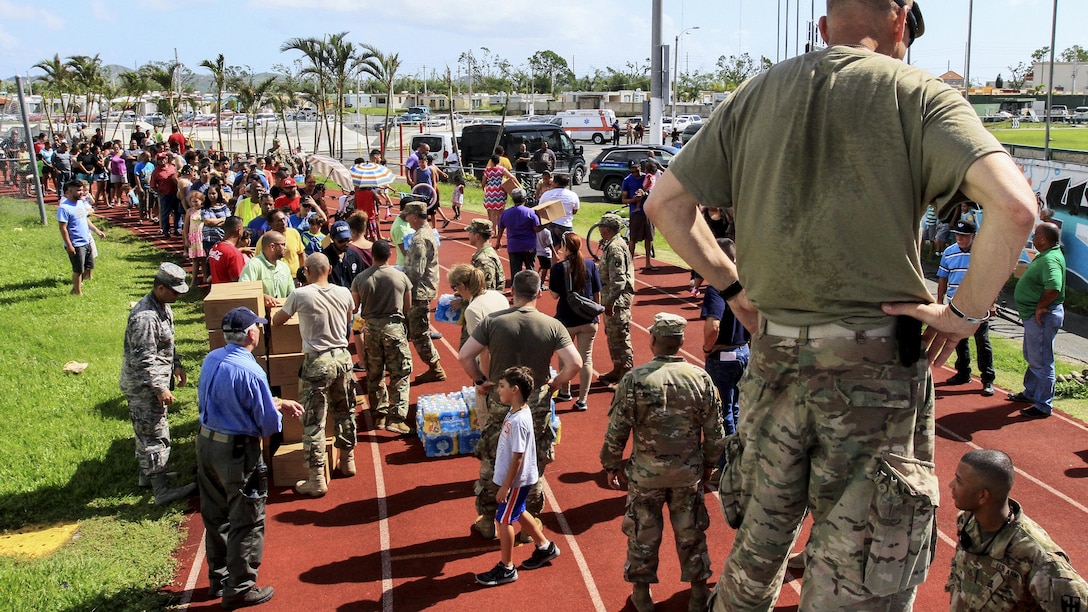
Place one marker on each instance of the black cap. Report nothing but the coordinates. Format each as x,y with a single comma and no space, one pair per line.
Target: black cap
964,227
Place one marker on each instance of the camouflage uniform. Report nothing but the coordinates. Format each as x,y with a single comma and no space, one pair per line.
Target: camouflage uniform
617,291
147,369
674,412
386,348
421,266
282,158
837,426
487,260
325,382
540,404
1020,569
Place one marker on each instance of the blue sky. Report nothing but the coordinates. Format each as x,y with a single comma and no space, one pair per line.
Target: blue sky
434,33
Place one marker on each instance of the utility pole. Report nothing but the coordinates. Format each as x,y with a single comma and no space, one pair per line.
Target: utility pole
1050,89
967,65
26,130
658,81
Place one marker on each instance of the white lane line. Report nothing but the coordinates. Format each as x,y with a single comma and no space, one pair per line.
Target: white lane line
572,544
383,516
194,574
1045,486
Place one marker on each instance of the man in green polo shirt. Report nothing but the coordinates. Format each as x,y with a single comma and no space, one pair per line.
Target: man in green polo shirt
1039,295
271,270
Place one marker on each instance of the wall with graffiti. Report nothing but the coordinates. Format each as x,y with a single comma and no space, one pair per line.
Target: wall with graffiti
1061,187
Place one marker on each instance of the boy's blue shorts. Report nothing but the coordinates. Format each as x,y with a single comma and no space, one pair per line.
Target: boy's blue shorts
510,511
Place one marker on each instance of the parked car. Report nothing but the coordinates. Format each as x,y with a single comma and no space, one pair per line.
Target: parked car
441,146
690,131
608,169
478,144
1080,114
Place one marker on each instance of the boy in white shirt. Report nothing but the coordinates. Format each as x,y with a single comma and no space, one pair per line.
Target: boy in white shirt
516,473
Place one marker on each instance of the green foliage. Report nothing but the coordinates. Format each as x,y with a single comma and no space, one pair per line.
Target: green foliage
69,456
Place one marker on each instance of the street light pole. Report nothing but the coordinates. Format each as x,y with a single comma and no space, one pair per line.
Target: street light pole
1050,93
676,67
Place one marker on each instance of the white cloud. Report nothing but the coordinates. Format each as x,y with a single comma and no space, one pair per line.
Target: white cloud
7,41
25,12
102,11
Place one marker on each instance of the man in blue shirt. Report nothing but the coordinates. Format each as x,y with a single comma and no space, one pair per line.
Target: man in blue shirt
236,410
634,195
953,268
725,345
73,215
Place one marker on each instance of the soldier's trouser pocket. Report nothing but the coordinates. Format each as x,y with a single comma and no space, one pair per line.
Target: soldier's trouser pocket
731,492
902,524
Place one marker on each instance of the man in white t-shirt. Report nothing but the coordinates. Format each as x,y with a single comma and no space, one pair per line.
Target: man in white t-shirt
325,381
571,204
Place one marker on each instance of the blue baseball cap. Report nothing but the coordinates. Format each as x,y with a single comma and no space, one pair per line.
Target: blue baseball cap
240,319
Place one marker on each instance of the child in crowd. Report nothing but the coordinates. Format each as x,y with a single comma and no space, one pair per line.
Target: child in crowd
544,255
458,197
516,473
194,235
312,235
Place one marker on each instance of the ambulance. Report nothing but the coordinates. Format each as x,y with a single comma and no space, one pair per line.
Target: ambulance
584,124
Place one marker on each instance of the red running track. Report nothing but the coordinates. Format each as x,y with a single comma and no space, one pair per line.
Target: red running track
397,537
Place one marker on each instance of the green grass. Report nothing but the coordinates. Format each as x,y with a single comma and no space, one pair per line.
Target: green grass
1009,365
1034,134
68,452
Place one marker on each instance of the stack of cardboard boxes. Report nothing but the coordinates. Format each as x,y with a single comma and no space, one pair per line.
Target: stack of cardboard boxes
281,357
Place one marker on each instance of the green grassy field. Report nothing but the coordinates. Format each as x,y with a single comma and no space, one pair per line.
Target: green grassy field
1074,138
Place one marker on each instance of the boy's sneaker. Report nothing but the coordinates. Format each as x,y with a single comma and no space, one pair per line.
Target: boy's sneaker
500,574
541,556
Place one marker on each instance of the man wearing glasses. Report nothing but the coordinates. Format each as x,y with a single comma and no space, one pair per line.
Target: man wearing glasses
270,269
149,369
838,399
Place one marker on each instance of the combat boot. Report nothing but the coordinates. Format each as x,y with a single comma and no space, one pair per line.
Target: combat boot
434,374
145,480
165,494
641,598
485,527
315,485
614,376
700,597
347,462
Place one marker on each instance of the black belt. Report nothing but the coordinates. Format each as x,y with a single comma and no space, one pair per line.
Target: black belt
216,436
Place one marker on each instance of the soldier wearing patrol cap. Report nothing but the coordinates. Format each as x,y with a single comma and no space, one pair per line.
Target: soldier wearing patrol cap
1004,561
673,410
421,266
485,258
149,368
617,294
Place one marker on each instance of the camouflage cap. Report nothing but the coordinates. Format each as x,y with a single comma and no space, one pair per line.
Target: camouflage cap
414,208
172,276
480,226
612,221
668,324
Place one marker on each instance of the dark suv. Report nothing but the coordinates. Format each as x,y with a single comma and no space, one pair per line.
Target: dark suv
607,171
478,143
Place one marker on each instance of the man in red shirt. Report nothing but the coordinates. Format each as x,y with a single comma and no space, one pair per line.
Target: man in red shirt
164,180
225,259
176,137
290,198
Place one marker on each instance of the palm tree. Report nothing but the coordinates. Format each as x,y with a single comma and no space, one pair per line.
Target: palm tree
282,97
314,50
87,79
163,76
383,67
133,85
341,64
250,96
220,73
57,82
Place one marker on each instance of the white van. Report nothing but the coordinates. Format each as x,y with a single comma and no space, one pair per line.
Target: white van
441,146
595,125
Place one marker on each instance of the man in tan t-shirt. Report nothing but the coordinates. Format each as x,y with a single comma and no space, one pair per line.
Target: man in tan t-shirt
325,383
845,141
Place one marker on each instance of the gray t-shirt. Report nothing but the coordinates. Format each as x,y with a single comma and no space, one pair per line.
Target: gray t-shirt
516,436
830,160
381,291
521,336
324,314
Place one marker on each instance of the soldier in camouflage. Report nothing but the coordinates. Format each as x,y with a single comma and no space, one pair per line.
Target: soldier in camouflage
485,258
384,295
149,369
617,295
838,396
421,266
325,383
281,158
521,335
672,410
1005,562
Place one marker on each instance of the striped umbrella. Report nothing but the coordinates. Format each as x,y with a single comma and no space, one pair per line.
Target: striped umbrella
370,175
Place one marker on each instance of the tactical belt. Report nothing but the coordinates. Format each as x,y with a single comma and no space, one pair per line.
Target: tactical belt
823,331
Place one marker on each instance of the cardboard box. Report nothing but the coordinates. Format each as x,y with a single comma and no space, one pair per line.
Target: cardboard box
216,339
287,391
283,369
292,429
284,338
226,296
289,464
550,211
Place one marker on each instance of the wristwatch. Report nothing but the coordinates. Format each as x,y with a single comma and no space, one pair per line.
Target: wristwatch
480,382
